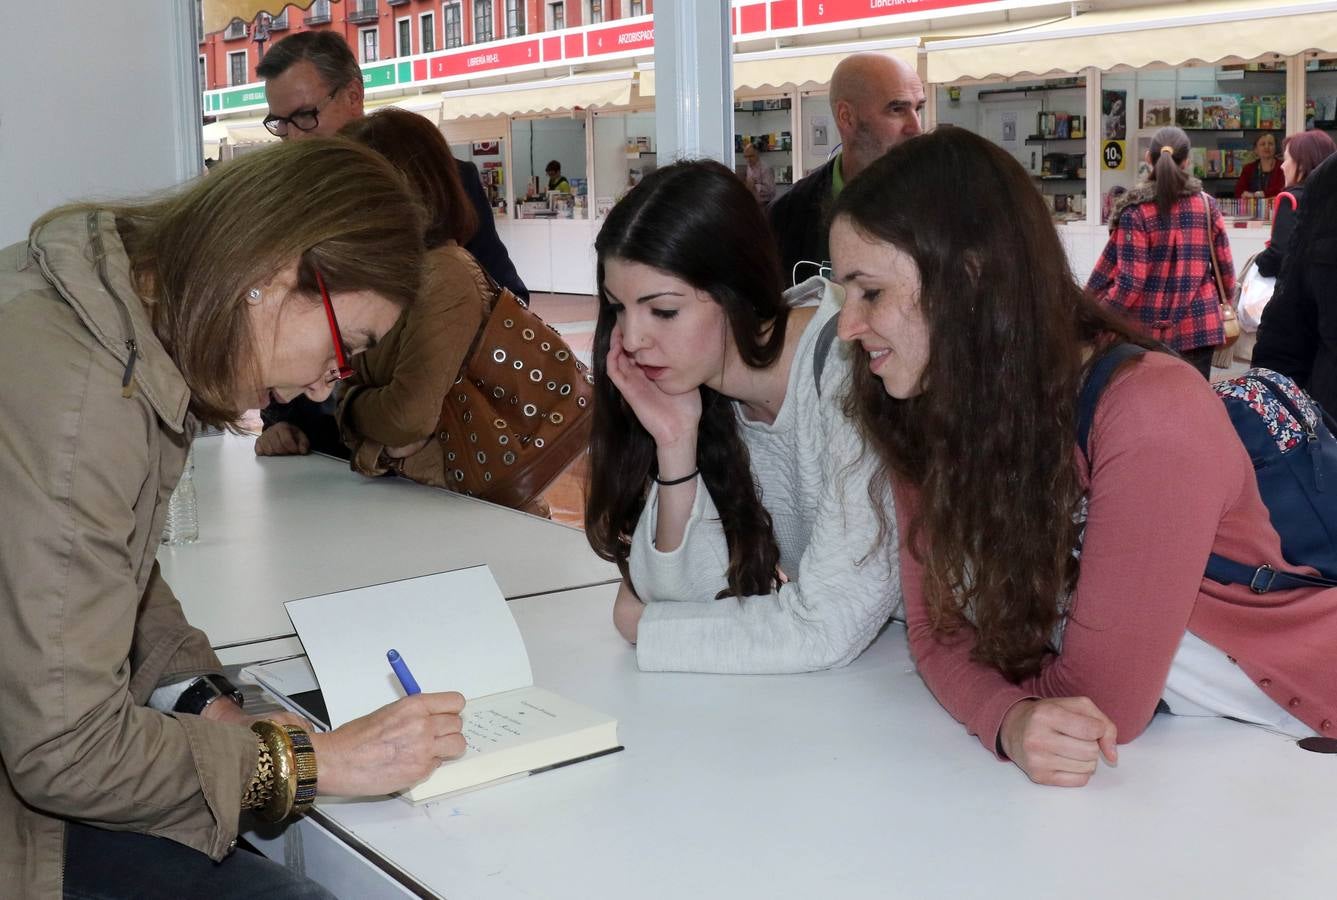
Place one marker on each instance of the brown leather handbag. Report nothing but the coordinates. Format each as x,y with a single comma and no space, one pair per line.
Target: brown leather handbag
519,413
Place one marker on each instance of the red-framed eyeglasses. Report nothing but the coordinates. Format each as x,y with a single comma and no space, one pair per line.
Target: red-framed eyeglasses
342,370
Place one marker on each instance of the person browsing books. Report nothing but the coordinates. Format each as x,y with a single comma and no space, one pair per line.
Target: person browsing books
1053,603
1263,176
1300,154
1157,266
126,757
726,482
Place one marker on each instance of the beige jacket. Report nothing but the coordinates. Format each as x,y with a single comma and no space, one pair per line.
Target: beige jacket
87,627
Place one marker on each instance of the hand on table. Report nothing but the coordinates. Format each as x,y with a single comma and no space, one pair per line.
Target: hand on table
627,609
392,748
282,439
1058,741
671,419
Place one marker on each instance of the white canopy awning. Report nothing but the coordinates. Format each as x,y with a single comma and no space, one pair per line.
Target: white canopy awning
530,98
799,66
1170,34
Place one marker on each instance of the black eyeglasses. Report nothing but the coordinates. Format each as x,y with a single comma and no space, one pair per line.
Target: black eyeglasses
305,119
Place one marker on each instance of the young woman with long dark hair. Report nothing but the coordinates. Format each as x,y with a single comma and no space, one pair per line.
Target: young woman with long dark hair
723,475
1053,603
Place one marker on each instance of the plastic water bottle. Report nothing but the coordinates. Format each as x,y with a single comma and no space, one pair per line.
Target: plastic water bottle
183,522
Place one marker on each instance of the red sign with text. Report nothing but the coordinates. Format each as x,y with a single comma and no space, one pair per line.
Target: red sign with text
820,12
485,59
620,39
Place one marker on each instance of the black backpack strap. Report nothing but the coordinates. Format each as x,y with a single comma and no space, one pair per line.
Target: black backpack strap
1096,379
826,339
1260,579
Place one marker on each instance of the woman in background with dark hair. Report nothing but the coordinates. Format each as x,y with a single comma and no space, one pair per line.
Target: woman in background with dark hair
1301,154
1298,333
1262,177
721,462
1053,597
1157,265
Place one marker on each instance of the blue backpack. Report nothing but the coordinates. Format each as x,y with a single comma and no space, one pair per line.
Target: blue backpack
1290,441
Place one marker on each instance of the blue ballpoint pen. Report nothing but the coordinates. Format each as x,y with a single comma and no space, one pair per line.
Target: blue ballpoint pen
402,671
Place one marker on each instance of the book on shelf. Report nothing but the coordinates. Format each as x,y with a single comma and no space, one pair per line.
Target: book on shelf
1249,112
1220,111
1213,164
1157,113
1198,161
456,633
1188,112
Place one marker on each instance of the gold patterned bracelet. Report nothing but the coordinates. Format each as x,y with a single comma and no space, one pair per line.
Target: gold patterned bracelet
284,779
261,788
304,767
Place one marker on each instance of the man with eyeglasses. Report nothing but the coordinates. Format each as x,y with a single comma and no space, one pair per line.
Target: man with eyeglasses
313,85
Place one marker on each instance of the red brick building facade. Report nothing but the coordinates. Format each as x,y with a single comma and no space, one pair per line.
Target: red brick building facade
386,29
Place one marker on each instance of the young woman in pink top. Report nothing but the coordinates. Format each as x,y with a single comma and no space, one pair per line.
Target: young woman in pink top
1054,604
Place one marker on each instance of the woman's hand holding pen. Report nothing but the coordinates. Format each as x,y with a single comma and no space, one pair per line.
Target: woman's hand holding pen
392,748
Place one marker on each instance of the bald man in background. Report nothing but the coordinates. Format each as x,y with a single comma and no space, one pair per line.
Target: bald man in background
877,102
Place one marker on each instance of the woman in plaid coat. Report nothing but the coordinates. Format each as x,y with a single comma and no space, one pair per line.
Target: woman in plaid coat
1157,265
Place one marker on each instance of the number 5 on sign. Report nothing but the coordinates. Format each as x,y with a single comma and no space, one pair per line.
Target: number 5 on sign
1112,154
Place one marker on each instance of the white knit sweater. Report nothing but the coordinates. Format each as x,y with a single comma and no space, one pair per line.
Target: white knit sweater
813,477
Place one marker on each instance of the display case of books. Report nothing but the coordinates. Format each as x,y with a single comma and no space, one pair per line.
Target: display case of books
767,124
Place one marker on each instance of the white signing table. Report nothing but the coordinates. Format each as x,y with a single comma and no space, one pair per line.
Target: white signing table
279,528
845,783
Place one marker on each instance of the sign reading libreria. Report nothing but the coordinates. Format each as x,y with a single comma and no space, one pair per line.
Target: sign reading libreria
818,12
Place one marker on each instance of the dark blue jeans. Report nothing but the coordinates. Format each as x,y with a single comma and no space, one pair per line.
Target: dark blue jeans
114,865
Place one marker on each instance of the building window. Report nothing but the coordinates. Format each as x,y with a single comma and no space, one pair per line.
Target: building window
482,21
636,8
515,18
319,13
596,12
235,29
556,16
369,39
426,33
199,21
279,22
237,70
404,36
204,74
451,30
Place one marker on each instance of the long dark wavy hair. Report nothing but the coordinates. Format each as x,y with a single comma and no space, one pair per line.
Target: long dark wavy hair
989,442
696,221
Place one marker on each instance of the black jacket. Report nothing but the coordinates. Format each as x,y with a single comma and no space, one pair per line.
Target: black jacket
1298,334
1288,211
799,221
486,245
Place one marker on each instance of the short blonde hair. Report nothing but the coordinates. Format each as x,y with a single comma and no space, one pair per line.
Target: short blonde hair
334,205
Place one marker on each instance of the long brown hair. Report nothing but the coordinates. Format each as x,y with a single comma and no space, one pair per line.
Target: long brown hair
335,206
1169,149
989,442
696,221
417,148
1307,150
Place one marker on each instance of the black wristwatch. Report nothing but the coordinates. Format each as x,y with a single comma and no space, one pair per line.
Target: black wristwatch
205,690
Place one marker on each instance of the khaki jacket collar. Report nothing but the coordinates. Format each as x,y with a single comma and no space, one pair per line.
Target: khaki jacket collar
82,257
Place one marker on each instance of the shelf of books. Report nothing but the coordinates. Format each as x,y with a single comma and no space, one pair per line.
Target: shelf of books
768,125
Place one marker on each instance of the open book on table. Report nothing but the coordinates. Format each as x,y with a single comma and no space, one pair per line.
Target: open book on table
456,633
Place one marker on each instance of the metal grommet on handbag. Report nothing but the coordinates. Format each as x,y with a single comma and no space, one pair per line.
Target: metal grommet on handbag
527,334
514,400
443,436
551,385
459,474
535,375
580,401
487,476
498,423
462,398
545,346
473,437
589,379
530,409
450,457
566,389
503,439
481,457
508,458
509,323
538,442
467,417
562,355
499,355
517,364
459,379
498,392
556,418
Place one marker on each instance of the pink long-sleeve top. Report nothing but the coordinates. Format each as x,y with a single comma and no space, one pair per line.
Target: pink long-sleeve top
1168,484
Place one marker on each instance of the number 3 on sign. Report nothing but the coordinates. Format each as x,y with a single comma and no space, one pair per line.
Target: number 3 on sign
1113,155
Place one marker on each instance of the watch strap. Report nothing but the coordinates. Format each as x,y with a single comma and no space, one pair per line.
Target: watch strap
205,690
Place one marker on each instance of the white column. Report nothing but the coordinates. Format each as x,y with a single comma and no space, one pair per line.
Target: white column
1295,94
693,80
1095,166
